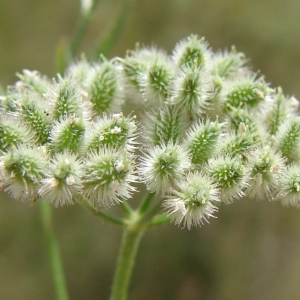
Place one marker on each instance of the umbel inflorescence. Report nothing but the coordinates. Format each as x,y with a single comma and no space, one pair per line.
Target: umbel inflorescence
201,129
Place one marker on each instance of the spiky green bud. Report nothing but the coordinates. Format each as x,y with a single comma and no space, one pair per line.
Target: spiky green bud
107,177
62,182
13,133
191,51
202,141
246,92
190,89
289,193
155,81
193,200
163,165
275,112
22,168
34,113
229,175
103,87
67,134
265,169
32,81
287,139
165,124
227,64
115,131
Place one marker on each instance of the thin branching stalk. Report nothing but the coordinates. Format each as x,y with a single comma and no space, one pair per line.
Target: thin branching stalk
101,214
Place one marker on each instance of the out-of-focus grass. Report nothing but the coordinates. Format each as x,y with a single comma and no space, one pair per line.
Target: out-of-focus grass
252,251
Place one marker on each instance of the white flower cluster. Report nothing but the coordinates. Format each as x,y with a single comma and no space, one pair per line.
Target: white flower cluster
210,131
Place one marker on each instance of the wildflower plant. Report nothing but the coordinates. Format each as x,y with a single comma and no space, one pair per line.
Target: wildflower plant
204,131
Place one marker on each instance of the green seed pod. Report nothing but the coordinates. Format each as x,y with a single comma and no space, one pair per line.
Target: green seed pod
227,64
287,139
191,51
107,177
202,140
193,200
168,123
190,90
103,86
289,193
229,175
163,165
67,134
22,169
13,133
34,113
244,92
115,131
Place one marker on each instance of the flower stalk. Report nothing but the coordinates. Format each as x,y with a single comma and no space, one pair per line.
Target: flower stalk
125,263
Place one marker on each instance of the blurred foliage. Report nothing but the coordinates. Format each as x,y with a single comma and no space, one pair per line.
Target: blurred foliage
252,251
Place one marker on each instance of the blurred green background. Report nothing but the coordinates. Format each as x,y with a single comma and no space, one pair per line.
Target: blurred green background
251,251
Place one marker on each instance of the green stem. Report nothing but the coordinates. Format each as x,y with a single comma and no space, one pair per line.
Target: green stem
137,222
53,251
126,209
125,263
146,203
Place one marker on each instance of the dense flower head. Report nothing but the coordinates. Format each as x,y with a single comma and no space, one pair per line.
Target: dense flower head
204,129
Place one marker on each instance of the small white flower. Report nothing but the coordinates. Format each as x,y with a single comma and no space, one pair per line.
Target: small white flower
119,165
117,116
116,130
